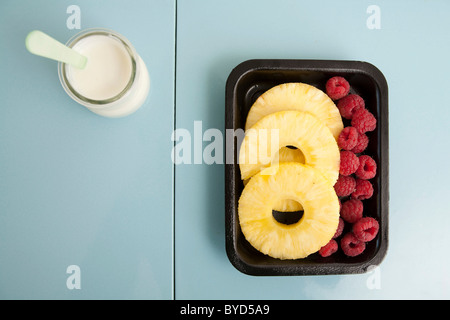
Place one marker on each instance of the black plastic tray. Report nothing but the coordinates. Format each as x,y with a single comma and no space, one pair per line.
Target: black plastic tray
249,80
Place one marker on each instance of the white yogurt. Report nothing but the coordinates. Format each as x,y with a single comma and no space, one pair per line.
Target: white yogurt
115,81
108,68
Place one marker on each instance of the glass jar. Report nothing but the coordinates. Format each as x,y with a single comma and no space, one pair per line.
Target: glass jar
115,81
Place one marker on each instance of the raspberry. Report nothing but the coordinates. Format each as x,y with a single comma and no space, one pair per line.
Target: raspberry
363,120
337,88
361,144
366,229
349,163
348,138
367,168
352,210
348,105
328,249
344,186
339,229
363,190
351,245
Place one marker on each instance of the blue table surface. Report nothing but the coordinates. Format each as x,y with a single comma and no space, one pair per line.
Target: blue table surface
103,194
77,189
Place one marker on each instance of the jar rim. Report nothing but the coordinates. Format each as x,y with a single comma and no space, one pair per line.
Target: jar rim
62,70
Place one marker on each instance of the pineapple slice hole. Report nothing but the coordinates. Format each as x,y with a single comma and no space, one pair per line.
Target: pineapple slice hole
287,211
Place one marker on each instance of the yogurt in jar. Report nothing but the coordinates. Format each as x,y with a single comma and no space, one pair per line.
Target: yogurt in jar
115,81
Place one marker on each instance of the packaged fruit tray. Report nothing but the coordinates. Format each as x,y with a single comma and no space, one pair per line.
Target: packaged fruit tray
338,183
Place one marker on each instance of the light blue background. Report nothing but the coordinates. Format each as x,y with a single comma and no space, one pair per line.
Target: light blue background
411,49
76,188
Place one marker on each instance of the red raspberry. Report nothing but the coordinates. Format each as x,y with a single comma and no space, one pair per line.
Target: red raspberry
339,229
328,249
367,168
363,120
337,88
351,245
349,163
366,229
363,190
344,186
361,144
348,138
348,105
352,210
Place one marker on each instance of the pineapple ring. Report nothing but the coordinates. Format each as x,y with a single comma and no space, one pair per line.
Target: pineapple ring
294,128
298,182
300,97
286,154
